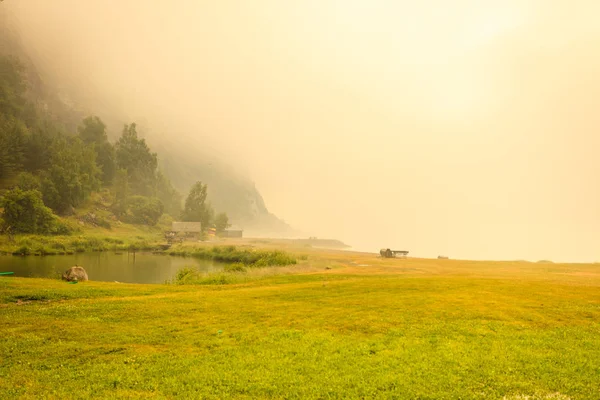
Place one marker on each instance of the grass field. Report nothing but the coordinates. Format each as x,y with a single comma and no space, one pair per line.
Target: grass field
337,325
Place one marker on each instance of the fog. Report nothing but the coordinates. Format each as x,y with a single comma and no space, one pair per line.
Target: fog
467,128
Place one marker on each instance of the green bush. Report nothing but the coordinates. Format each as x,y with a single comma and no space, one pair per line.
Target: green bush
58,246
221,222
143,210
23,250
140,245
94,243
74,243
25,241
25,212
166,221
62,228
42,250
186,275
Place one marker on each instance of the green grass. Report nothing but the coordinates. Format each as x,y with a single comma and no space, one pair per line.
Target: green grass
406,329
23,245
100,235
252,258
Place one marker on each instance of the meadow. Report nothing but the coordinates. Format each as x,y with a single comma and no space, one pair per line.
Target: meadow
335,325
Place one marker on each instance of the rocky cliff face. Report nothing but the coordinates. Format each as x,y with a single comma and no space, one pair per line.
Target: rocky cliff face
229,191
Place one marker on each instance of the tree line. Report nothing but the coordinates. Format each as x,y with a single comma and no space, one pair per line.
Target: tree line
46,172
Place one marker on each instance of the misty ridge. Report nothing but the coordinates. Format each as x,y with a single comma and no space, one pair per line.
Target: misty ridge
477,140
53,142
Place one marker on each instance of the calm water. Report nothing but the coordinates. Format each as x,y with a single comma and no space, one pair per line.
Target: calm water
144,268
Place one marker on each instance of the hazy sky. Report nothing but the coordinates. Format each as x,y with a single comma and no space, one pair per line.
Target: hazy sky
468,128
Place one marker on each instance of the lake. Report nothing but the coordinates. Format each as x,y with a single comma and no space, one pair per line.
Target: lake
105,266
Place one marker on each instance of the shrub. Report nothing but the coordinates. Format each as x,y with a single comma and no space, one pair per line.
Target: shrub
94,243
25,212
139,245
186,275
62,228
58,246
42,250
25,241
143,210
23,250
221,222
76,243
166,221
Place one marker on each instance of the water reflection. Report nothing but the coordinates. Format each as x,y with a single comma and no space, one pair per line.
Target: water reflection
141,268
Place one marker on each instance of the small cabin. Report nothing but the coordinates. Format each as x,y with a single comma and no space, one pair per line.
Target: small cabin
232,232
186,227
389,253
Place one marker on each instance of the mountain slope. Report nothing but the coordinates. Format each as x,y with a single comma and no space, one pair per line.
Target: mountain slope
69,101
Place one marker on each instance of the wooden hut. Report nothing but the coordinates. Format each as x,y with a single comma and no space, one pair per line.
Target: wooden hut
233,232
187,228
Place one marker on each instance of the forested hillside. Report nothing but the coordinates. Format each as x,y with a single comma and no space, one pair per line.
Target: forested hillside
61,104
47,170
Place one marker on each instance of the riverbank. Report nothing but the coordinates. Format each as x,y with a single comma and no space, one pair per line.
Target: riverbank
338,325
135,264
137,238
39,245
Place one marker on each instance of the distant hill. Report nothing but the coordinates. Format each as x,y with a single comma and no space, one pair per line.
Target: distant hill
229,191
